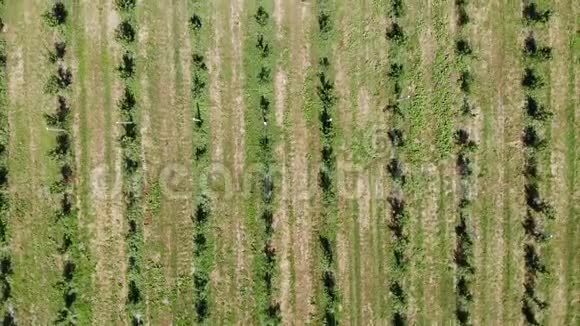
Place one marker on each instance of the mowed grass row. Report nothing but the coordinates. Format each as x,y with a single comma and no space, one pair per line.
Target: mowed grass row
7,312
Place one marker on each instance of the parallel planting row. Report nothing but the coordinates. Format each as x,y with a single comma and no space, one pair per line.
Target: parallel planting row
329,298
265,259
537,121
399,217
463,254
60,121
6,306
132,170
202,236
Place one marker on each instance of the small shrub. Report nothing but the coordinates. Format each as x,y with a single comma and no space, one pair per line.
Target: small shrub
125,5
261,16
397,291
462,17
395,70
465,79
58,53
198,86
63,143
532,14
532,260
530,80
263,46
395,170
264,75
395,33
264,106
128,101
462,47
127,67
399,319
60,81
57,15
532,139
535,110
324,23
325,90
195,22
134,294
326,122
532,50
533,199
396,137
199,61
125,32
397,8
327,154
531,167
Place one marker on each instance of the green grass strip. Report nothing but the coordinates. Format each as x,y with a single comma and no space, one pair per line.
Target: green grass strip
6,310
203,241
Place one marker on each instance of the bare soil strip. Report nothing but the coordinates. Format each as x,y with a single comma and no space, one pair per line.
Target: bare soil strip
300,169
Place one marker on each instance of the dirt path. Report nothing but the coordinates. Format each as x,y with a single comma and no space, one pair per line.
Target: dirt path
564,161
222,275
301,180
282,223
237,20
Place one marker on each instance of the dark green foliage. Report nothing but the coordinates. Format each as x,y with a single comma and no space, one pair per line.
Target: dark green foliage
263,46
58,53
59,118
125,32
395,170
199,61
531,80
195,22
536,111
134,294
264,75
198,86
395,70
533,15
462,17
59,81
399,319
128,101
397,8
395,33
57,15
262,16
325,91
531,138
396,137
462,47
324,23
127,66
532,50
465,79
125,5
